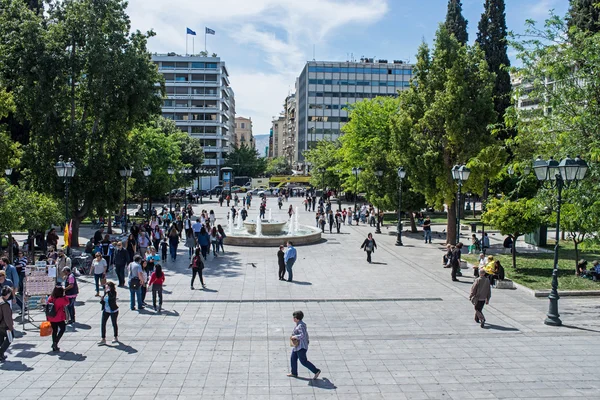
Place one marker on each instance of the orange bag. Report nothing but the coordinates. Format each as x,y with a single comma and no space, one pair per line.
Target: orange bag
45,328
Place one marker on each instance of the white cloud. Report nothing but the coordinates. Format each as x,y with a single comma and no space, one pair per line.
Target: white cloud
541,9
280,32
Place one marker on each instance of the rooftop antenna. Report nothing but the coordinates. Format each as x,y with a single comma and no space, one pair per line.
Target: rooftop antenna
314,59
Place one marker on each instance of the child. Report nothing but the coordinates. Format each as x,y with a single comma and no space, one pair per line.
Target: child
163,249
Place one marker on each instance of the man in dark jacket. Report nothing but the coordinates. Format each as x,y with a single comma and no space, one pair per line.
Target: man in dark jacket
121,259
455,261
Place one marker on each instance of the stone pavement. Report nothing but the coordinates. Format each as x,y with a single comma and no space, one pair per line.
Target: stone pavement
394,329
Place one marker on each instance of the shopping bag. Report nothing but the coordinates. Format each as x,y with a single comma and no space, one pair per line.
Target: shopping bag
45,328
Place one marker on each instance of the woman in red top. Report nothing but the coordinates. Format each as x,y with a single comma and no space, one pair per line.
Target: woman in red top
156,281
58,321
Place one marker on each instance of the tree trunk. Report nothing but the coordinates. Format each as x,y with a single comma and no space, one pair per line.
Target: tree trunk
76,222
451,224
514,251
109,227
576,253
413,224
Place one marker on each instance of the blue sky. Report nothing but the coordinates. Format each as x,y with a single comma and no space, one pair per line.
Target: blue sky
265,43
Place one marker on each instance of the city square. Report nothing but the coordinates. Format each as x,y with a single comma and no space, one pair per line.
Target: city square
394,329
380,200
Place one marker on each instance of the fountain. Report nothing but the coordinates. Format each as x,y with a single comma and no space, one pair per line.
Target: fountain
240,221
258,227
270,232
229,223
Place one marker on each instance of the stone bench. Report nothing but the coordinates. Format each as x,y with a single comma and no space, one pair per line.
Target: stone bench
505,284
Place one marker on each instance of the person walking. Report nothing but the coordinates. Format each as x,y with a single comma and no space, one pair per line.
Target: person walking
197,265
135,278
369,246
427,229
281,262
131,246
157,279
290,259
173,241
221,238
190,242
299,341
59,302
204,242
121,259
480,296
6,321
110,309
338,221
214,241
455,261
71,291
99,266
330,220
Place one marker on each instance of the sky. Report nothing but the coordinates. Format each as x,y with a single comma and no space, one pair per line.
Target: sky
265,43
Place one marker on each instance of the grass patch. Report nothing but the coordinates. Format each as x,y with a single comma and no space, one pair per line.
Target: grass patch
535,270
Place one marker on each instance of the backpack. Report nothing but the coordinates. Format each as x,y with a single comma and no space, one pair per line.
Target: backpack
50,310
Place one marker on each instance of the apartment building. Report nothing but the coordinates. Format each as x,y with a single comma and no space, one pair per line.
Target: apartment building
276,136
289,129
243,132
200,101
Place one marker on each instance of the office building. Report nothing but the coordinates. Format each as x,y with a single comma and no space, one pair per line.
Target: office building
324,89
243,132
276,136
200,101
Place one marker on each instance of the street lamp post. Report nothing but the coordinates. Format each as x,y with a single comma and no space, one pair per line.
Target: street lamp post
186,171
401,176
170,171
378,174
66,171
199,183
147,172
355,171
559,175
8,172
460,173
126,173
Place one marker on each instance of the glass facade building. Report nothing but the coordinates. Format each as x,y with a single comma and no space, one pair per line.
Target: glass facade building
325,89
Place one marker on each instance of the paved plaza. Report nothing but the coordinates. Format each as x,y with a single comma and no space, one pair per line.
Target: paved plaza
394,329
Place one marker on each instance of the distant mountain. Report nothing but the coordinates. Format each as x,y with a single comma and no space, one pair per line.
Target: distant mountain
261,142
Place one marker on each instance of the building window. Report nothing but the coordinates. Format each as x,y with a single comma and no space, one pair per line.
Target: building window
243,125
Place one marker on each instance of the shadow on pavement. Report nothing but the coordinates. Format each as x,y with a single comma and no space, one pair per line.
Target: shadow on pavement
124,347
379,263
500,328
168,313
301,283
323,383
70,356
78,325
580,328
14,366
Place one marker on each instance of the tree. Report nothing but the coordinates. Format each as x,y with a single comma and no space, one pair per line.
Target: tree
514,218
456,23
278,166
444,118
493,41
10,151
325,159
82,82
580,214
584,15
245,161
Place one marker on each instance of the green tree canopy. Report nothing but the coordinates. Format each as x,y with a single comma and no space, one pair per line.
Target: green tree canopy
455,22
278,166
584,15
245,161
325,160
82,82
444,118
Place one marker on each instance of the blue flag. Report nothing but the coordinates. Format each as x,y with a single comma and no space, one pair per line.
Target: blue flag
190,32
209,31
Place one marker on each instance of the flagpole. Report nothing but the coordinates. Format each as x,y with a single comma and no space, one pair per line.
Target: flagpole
193,52
186,44
205,40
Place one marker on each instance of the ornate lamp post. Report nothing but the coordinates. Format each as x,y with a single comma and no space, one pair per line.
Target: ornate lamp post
8,172
378,174
558,175
147,172
126,173
170,171
460,173
356,171
66,171
401,176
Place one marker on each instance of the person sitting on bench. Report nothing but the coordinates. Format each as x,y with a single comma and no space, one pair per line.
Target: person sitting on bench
582,267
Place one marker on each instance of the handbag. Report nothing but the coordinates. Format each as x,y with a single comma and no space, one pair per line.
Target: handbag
294,342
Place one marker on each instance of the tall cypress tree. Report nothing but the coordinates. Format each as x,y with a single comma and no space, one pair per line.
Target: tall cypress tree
456,23
585,15
492,39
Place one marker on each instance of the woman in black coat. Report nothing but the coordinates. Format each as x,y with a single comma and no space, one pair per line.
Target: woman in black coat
110,309
369,246
281,262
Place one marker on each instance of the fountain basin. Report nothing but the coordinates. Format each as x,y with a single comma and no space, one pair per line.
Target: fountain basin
268,228
305,235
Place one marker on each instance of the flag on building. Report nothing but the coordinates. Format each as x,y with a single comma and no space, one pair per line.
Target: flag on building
190,32
209,31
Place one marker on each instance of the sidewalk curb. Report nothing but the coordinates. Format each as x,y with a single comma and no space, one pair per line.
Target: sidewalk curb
562,293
